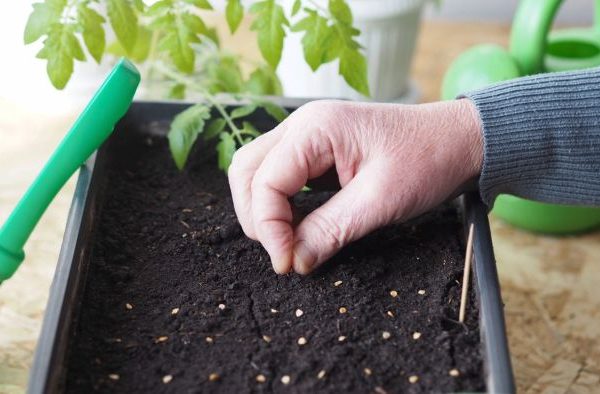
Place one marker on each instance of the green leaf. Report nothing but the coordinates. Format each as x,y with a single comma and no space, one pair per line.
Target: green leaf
184,132
165,22
234,13
140,51
203,4
263,81
245,110
177,91
324,42
123,20
214,128
269,25
177,43
277,112
161,7
333,46
353,67
211,33
225,149
93,31
296,7
179,31
42,17
317,33
339,10
73,46
224,75
60,48
249,129
194,23
139,5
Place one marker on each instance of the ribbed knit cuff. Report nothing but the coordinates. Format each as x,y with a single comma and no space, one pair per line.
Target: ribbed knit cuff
542,138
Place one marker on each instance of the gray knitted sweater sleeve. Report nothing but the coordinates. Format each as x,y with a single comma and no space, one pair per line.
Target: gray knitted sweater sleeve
542,138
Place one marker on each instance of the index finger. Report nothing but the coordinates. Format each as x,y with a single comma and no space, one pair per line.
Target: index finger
300,155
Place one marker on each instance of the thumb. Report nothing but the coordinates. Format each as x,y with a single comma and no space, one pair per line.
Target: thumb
356,210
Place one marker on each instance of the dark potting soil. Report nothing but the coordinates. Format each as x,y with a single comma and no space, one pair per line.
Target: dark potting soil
175,292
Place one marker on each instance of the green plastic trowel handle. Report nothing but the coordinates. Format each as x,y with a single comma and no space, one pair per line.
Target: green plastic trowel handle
91,129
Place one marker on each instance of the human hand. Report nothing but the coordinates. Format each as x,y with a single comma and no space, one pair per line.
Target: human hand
393,162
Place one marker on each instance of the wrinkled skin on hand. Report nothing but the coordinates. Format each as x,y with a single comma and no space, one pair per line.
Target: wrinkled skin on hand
393,162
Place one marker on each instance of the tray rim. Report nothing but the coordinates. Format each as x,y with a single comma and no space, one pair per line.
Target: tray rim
496,356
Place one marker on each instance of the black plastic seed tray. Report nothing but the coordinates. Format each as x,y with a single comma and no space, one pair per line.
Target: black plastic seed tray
49,367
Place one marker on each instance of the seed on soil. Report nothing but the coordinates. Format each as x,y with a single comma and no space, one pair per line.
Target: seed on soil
129,306
368,371
416,335
421,292
261,378
184,224
266,338
321,374
174,311
343,310
390,313
221,306
337,283
302,341
299,312
454,372
114,376
213,377
386,335
413,379
285,379
163,338
167,379
394,293
341,338
186,210
209,339
273,310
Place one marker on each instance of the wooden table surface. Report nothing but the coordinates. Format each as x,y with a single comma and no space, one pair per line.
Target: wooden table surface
551,286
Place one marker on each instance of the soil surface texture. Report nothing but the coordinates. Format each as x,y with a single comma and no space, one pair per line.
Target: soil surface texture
178,300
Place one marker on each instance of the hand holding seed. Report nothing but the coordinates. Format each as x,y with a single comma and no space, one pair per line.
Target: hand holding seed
392,161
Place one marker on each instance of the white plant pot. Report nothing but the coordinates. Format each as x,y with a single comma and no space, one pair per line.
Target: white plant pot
389,30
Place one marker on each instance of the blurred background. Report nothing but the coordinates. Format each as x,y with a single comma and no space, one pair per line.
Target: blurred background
550,285
573,12
23,79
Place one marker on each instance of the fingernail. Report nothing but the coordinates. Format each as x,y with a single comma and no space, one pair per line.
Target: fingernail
303,259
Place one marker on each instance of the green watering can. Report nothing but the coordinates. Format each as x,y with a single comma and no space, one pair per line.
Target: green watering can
533,49
93,126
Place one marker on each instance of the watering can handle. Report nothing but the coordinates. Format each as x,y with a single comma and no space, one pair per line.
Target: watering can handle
529,33
530,29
